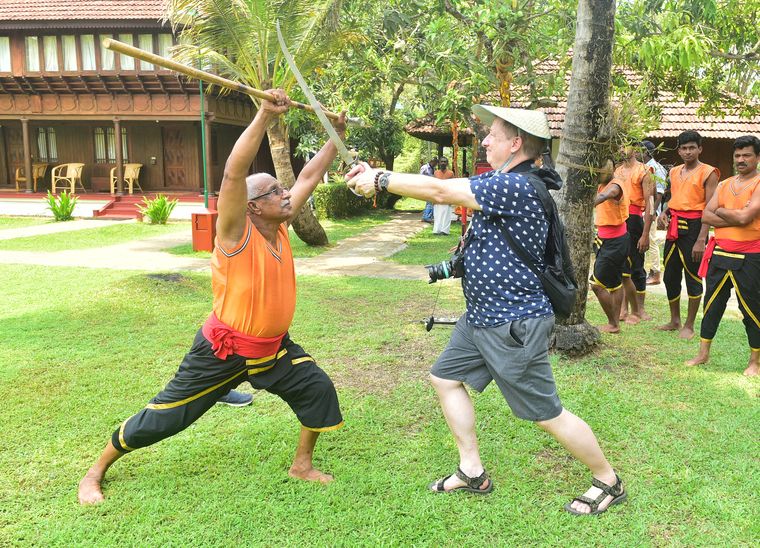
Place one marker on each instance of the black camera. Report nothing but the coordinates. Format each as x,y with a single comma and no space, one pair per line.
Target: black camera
451,268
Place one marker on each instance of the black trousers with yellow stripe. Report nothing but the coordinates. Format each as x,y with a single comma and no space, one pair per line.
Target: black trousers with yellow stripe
202,379
633,268
742,272
679,262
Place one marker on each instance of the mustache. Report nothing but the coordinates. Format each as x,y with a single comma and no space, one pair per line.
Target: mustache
741,164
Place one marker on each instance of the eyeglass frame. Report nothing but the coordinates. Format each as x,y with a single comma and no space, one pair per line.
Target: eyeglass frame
279,189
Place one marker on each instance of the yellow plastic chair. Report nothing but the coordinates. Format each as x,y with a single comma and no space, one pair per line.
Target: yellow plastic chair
67,175
131,176
38,172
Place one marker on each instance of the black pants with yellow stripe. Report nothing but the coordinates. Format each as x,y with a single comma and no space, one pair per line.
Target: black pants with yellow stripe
634,265
202,379
742,272
679,262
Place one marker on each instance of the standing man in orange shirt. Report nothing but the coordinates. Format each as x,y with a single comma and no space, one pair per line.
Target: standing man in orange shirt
246,336
611,213
692,185
732,258
640,187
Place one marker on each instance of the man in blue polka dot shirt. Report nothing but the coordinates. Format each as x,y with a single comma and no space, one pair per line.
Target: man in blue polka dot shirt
504,335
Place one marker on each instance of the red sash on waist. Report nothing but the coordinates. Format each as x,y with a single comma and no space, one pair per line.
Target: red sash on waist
225,341
732,246
633,209
611,231
673,225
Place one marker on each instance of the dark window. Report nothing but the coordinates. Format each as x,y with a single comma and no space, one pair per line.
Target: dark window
105,145
47,146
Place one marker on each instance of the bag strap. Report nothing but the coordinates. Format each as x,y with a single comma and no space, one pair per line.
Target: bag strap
548,205
520,251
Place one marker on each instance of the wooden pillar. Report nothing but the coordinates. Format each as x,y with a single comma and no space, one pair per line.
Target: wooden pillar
440,150
119,158
27,154
209,117
464,162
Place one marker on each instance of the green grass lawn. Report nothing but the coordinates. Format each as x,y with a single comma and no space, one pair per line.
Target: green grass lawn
426,248
336,229
20,222
92,237
74,364
409,204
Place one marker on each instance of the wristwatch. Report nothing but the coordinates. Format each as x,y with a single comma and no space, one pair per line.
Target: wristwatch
383,180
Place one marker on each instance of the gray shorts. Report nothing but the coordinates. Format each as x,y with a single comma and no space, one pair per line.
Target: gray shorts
515,355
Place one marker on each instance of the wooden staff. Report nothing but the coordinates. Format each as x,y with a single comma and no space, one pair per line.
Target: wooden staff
207,77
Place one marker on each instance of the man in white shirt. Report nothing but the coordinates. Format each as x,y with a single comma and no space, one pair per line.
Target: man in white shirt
660,175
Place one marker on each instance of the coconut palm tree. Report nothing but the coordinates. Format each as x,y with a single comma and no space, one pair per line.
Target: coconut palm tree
238,39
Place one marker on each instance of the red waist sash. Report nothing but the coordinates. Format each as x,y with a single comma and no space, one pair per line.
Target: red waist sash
225,341
732,246
633,209
673,225
611,231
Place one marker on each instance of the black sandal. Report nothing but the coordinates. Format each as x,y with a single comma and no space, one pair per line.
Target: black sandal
617,492
473,484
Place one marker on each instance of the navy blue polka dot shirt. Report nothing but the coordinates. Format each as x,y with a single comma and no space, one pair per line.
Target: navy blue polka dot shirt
498,286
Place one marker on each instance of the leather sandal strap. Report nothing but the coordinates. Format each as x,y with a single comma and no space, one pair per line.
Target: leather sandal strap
611,490
593,504
439,485
474,483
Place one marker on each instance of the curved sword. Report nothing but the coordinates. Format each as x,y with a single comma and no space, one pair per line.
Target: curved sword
334,137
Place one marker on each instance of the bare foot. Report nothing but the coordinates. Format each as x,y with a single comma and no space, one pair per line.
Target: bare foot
623,316
645,317
309,474
89,489
670,326
607,328
686,333
753,369
699,360
632,319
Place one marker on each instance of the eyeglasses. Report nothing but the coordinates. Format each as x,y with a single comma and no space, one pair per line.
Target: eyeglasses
278,190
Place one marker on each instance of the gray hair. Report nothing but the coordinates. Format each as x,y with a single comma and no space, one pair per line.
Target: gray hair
254,183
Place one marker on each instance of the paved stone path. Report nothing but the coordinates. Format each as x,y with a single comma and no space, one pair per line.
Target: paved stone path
54,228
357,256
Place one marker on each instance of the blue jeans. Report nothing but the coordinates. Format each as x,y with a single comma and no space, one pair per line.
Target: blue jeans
427,213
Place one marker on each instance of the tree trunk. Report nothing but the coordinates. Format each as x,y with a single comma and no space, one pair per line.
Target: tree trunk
305,224
585,126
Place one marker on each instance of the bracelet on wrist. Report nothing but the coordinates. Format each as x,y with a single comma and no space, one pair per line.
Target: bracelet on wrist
378,174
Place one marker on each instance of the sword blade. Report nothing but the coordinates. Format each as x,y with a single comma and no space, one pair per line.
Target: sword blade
334,137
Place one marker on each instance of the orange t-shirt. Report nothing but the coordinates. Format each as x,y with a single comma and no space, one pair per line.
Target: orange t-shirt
729,200
688,193
254,284
448,174
612,212
633,177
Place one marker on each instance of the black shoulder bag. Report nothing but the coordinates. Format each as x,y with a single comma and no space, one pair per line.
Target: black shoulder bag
557,278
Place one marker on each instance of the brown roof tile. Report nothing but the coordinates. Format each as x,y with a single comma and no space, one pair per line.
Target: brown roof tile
53,10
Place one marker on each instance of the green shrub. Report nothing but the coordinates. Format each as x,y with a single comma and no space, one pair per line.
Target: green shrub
335,200
62,206
158,209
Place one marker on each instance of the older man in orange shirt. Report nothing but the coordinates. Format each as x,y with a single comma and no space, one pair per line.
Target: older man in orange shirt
246,336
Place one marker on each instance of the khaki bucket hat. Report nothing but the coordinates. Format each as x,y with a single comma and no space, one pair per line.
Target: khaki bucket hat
530,121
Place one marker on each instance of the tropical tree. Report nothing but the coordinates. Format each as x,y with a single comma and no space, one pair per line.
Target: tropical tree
583,149
238,39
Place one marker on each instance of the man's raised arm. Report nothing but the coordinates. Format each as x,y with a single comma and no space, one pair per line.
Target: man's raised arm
315,169
233,198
